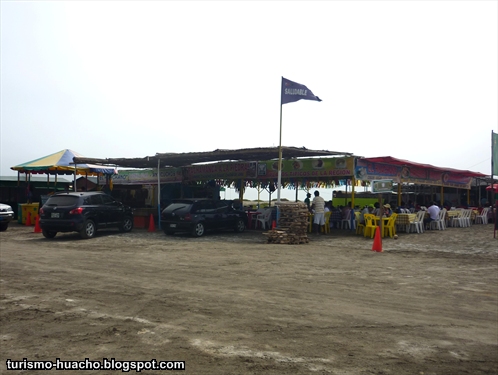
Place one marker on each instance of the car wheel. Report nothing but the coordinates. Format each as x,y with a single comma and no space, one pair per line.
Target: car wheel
48,233
3,227
89,229
240,226
126,225
198,230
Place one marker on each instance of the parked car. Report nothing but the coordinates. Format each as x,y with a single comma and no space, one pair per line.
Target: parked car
6,216
197,216
83,212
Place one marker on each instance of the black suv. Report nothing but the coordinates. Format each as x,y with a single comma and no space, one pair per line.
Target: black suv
83,212
199,215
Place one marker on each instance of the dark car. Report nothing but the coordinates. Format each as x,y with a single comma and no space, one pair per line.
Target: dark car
6,216
197,216
83,212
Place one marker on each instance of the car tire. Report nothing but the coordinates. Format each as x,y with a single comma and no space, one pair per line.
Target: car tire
48,233
198,230
126,225
3,227
89,229
240,226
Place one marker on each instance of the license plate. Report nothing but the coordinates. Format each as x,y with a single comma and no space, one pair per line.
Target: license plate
172,225
55,215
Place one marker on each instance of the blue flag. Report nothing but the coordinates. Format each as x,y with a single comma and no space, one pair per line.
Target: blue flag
292,92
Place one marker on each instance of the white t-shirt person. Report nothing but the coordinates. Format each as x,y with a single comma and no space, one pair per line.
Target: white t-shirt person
318,207
433,211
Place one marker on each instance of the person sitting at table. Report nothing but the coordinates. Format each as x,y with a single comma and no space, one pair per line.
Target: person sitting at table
410,206
328,206
335,217
401,209
433,212
376,210
367,210
387,210
346,210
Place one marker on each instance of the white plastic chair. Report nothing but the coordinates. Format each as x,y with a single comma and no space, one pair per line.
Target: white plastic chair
463,220
418,223
439,223
264,218
482,218
346,223
468,217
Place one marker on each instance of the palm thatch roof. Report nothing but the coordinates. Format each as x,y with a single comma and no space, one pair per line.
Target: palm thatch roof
188,158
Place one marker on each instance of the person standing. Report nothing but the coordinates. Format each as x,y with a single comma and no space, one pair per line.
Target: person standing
318,207
307,201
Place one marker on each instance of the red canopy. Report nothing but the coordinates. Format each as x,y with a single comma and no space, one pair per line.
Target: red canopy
493,187
401,162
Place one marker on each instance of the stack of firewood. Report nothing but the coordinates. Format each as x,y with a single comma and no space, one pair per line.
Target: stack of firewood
292,224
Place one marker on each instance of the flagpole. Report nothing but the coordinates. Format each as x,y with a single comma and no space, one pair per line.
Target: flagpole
294,92
493,193
279,179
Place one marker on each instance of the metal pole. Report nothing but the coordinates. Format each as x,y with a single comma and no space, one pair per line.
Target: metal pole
158,195
279,180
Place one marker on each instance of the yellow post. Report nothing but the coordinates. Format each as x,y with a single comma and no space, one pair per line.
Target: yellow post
353,182
241,191
399,194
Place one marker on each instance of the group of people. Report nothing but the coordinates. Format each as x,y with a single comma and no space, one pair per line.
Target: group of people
319,207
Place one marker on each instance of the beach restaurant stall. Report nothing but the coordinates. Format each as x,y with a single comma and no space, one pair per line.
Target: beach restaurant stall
58,163
406,174
237,168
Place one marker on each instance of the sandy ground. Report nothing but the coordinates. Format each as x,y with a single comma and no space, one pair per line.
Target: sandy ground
232,304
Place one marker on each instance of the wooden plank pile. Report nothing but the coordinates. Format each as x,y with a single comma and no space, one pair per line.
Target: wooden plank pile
292,224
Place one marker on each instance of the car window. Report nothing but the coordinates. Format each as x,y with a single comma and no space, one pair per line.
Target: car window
108,200
180,206
205,206
95,200
223,206
62,200
223,203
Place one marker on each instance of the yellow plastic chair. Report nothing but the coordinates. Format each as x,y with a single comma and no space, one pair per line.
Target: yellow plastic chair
327,222
370,225
360,228
389,229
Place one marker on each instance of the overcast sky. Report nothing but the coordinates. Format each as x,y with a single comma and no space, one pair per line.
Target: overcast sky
415,80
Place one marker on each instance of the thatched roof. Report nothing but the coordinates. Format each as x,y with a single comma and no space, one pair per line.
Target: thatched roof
188,158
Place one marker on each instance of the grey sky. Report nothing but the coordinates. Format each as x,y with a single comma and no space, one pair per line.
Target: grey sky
415,80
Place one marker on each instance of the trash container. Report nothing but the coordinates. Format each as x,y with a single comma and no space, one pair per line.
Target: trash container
32,209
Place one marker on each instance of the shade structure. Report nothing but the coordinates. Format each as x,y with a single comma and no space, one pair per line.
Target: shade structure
62,163
493,188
